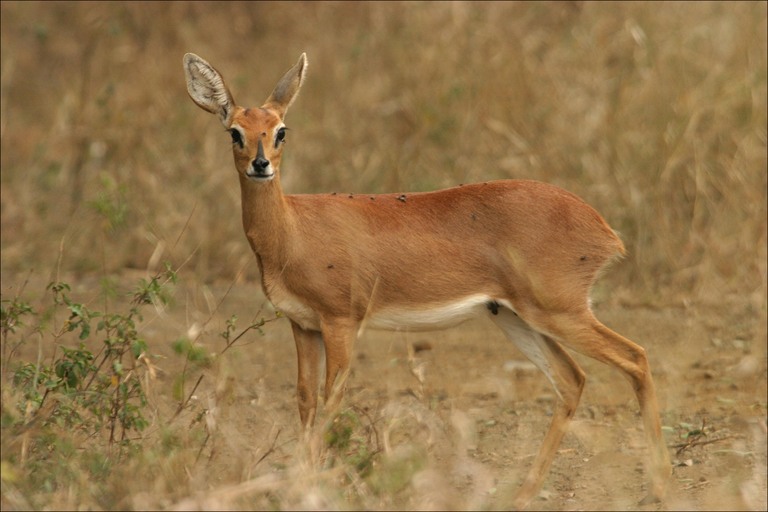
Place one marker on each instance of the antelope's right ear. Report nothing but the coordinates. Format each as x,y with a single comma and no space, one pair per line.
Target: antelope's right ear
206,87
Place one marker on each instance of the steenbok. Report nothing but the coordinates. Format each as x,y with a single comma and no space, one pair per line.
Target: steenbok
522,253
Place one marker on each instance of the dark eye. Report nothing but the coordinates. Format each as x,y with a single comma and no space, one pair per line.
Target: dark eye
280,137
236,137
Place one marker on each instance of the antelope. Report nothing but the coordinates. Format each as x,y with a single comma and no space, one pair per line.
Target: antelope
522,253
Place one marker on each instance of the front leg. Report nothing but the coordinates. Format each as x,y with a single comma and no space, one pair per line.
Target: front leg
338,337
308,346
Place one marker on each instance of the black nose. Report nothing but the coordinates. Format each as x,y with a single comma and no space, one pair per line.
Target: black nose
260,163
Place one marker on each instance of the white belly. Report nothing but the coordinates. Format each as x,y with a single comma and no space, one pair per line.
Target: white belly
428,317
421,317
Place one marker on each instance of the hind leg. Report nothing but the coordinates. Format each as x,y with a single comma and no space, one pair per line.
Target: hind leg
584,333
566,377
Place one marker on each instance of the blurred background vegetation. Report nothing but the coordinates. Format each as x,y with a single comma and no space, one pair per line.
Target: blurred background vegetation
654,113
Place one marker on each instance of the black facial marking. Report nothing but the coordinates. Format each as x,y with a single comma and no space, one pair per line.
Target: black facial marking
494,307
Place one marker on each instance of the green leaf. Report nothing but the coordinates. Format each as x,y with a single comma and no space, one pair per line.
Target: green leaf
76,309
180,346
138,347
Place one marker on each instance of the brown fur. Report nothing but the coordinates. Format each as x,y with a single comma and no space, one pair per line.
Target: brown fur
332,262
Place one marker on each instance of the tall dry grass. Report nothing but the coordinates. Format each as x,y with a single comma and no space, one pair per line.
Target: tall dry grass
656,114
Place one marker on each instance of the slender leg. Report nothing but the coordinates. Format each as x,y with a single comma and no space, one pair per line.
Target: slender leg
568,380
639,375
338,336
587,335
308,346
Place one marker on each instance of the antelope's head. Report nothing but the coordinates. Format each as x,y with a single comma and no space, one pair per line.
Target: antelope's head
258,134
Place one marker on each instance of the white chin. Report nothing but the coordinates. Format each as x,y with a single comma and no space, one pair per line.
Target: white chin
260,177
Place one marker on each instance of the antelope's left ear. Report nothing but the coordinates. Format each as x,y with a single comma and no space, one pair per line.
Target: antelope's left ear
288,87
206,87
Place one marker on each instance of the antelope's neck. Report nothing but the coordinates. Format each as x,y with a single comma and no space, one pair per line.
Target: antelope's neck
266,220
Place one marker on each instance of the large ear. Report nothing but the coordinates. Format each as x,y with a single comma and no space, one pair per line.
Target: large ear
206,87
288,87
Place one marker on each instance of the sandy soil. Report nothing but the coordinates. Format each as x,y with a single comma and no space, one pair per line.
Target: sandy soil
479,413
481,409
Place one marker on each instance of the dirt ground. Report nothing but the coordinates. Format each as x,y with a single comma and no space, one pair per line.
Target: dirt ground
478,414
655,113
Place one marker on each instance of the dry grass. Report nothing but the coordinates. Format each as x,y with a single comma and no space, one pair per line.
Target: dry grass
654,113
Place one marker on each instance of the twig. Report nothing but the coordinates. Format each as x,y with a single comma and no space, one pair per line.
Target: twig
271,448
695,485
200,451
7,354
373,425
255,325
216,309
189,397
684,446
186,225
